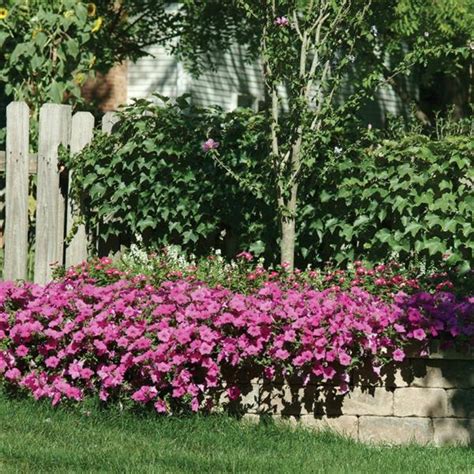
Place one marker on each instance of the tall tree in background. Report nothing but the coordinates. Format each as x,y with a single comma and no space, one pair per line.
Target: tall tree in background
311,52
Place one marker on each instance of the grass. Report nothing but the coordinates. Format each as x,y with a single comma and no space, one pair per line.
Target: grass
37,438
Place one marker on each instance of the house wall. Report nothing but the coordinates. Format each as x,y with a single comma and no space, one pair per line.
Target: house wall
234,82
155,73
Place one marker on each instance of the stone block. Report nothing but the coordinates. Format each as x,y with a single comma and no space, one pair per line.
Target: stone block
436,373
454,431
250,398
460,403
289,400
420,402
251,418
368,401
366,376
247,403
343,425
286,421
394,430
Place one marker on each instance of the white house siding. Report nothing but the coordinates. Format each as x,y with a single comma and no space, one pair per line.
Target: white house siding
233,77
234,82
155,73
165,75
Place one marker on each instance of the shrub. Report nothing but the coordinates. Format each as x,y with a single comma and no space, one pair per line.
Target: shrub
180,345
151,179
408,199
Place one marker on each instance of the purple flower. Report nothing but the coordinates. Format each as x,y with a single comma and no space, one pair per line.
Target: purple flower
282,21
419,334
159,341
345,359
233,393
398,355
210,144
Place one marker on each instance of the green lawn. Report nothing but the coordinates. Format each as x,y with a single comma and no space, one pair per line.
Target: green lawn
36,438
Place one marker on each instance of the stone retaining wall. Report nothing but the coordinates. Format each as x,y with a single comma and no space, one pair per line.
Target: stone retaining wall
427,401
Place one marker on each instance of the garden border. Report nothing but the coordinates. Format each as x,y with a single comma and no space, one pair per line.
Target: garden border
426,400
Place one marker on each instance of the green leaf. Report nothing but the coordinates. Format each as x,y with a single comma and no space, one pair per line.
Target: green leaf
258,247
3,36
72,47
361,220
434,246
148,223
56,92
413,228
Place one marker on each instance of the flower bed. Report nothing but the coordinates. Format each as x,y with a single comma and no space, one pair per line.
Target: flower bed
180,344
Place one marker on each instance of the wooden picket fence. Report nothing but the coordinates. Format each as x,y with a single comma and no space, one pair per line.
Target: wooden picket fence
54,212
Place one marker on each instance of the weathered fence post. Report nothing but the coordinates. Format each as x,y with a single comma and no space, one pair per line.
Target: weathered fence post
16,203
81,134
54,130
108,121
112,245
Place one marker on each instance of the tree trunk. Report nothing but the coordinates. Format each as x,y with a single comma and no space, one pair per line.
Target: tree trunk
288,231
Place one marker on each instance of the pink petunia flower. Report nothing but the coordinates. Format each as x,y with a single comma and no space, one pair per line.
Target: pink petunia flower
160,406
233,393
13,374
21,351
52,362
398,355
245,256
419,334
345,359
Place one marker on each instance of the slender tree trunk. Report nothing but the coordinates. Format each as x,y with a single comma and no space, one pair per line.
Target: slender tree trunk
288,230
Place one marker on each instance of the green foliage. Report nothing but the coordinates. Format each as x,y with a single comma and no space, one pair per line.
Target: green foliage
151,179
411,198
317,51
49,48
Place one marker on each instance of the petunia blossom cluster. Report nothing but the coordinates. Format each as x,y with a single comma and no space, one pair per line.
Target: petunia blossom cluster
179,345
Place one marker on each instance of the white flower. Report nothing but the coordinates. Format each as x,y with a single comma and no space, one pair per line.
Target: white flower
351,58
426,34
337,150
373,30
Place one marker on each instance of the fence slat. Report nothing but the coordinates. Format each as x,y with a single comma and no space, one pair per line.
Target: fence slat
81,135
112,245
16,199
54,129
108,121
31,166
